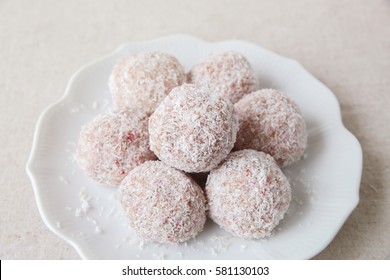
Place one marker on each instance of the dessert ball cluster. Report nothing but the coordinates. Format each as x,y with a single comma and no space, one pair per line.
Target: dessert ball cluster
168,132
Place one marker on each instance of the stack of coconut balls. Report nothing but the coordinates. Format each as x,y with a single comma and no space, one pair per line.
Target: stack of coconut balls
169,129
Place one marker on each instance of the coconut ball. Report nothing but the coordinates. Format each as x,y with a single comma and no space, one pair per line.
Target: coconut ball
192,129
162,204
228,73
144,79
248,194
113,144
271,122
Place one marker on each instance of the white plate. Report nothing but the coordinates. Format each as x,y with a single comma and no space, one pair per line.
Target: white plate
88,216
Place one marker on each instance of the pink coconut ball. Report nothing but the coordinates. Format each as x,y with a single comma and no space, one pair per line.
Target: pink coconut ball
271,122
114,143
144,79
248,194
162,204
229,73
192,129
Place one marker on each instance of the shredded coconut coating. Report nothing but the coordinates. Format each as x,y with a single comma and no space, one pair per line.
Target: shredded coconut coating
271,122
228,73
162,204
248,194
113,144
144,79
193,130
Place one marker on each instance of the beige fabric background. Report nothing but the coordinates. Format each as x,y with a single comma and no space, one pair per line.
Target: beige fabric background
346,44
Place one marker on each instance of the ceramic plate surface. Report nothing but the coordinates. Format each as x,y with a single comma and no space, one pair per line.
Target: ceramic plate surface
325,182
